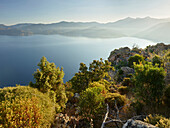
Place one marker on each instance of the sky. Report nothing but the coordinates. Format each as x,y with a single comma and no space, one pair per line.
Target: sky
51,11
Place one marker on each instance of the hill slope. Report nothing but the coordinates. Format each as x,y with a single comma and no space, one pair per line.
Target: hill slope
147,28
158,32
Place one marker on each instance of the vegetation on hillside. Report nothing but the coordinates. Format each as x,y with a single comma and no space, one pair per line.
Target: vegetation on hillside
103,94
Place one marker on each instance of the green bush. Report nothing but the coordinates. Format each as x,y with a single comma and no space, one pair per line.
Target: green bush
24,106
123,63
135,59
49,80
97,84
92,105
123,90
127,82
137,106
157,60
104,84
166,97
120,72
119,76
135,48
98,70
158,121
91,102
149,83
111,98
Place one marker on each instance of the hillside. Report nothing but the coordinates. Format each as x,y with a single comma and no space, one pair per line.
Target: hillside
158,32
129,90
131,26
147,28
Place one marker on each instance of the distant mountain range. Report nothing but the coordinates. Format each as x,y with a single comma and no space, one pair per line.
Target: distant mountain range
147,28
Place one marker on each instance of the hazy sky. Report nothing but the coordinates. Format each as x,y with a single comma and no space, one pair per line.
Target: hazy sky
48,11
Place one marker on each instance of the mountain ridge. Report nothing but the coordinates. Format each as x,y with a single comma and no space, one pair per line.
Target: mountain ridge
129,26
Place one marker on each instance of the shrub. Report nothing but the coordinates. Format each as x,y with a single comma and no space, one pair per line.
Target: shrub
120,72
127,82
136,49
119,76
123,63
97,84
158,121
91,102
157,60
111,98
104,84
149,83
166,98
137,106
98,70
25,113
24,106
123,90
135,59
92,105
49,80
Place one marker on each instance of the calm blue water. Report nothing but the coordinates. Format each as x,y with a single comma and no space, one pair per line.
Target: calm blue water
19,55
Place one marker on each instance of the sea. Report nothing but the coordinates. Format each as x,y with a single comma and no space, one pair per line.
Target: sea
19,55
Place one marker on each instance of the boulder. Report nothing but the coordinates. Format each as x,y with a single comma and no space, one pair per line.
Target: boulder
61,121
127,70
120,54
137,124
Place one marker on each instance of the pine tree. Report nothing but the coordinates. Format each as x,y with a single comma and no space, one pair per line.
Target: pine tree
49,79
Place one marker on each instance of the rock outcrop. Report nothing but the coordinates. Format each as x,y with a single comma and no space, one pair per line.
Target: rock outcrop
65,121
123,54
127,70
137,124
157,48
118,55
119,59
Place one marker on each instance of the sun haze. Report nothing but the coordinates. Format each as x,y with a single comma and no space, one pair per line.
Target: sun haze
50,11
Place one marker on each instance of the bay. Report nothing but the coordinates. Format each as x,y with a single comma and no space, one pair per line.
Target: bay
19,55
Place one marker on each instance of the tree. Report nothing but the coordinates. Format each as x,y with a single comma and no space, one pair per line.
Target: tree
111,98
92,105
136,58
97,71
100,70
81,79
102,83
49,79
157,60
166,98
149,83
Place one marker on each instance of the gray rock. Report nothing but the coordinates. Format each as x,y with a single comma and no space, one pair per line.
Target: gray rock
127,70
76,95
137,124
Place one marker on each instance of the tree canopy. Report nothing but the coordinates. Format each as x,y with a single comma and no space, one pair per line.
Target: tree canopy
149,82
97,70
136,58
49,79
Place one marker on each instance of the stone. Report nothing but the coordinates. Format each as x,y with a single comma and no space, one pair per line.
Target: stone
127,70
158,47
76,95
137,124
119,54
